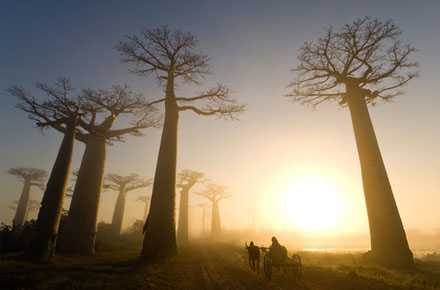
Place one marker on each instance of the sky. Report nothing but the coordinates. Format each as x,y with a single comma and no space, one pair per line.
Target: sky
277,150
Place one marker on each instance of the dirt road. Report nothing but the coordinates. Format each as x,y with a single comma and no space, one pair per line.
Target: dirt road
208,267
205,267
212,268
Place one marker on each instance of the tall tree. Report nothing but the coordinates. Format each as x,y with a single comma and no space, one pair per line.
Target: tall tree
171,56
123,185
187,180
363,63
215,193
105,107
30,177
146,201
61,110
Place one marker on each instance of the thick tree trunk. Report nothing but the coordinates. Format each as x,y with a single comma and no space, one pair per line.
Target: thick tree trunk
146,209
182,229
23,204
43,243
160,228
389,245
215,221
80,231
118,213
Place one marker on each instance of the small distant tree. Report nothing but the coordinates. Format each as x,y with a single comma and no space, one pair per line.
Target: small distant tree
363,63
123,185
215,193
171,56
146,201
204,206
187,179
105,108
30,177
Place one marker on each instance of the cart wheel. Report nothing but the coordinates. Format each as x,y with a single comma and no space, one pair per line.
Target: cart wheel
297,266
267,267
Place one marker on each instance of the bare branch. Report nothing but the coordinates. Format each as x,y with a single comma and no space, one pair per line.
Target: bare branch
110,105
160,50
366,53
188,178
31,175
214,192
126,183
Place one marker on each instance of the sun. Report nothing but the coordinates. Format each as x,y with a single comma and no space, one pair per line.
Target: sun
310,203
313,204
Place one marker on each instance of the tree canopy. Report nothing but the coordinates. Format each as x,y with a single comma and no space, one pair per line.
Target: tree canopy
34,175
128,183
367,54
214,192
171,55
96,109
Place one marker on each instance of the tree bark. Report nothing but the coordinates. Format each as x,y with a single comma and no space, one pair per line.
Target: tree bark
389,245
80,231
146,209
182,229
160,228
23,204
215,221
43,243
118,213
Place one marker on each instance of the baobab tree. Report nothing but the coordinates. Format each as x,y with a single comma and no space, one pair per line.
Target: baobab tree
363,63
105,107
30,177
204,207
214,193
123,185
33,206
187,180
145,199
171,57
61,111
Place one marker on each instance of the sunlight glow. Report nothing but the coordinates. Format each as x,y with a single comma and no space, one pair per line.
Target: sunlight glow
313,204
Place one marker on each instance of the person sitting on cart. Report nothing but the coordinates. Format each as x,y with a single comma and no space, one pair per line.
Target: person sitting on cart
254,256
277,252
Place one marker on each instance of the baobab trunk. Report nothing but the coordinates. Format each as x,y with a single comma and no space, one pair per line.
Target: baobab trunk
23,204
160,228
80,230
389,245
215,222
182,229
146,208
43,244
118,214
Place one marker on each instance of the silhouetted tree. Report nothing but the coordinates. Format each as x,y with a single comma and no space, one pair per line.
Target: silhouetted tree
104,108
171,56
146,201
61,111
30,177
215,193
187,180
363,63
123,185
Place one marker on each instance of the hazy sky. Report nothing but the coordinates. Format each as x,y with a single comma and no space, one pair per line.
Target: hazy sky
252,46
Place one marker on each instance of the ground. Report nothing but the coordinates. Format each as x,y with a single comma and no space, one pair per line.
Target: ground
211,267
